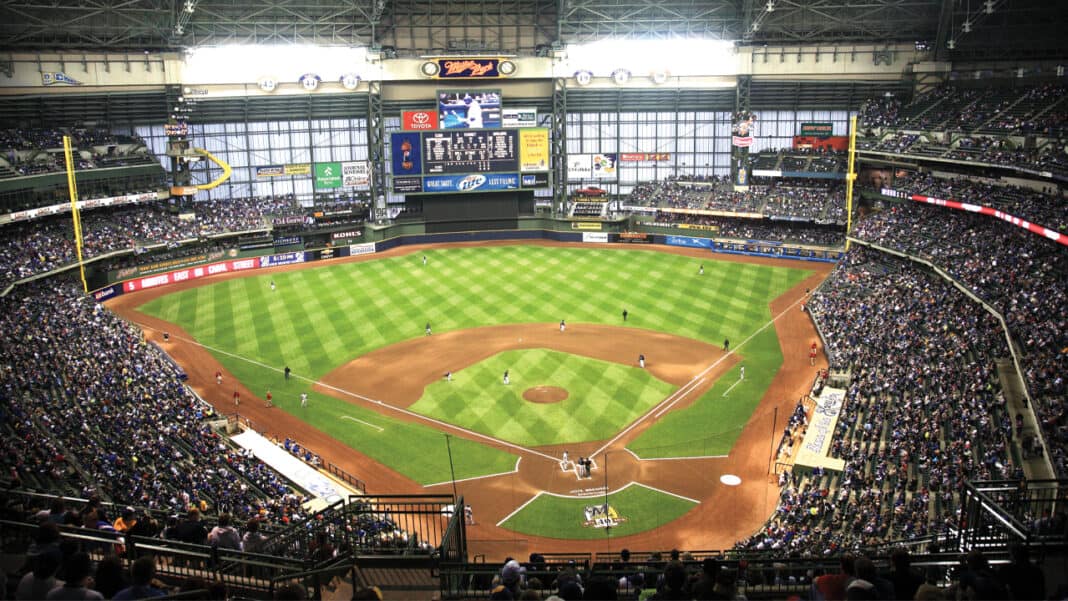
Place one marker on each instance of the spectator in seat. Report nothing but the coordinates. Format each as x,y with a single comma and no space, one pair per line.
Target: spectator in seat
253,541
225,536
831,587
77,569
1024,579
905,580
37,584
191,529
142,573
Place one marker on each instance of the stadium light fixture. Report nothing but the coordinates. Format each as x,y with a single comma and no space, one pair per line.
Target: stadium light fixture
282,62
684,56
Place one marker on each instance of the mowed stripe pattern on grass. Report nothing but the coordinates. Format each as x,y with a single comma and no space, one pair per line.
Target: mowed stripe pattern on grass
603,397
317,319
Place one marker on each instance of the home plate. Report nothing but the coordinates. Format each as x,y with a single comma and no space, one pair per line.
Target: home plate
730,479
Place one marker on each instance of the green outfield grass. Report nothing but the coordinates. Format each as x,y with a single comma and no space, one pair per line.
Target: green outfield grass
603,397
642,508
320,318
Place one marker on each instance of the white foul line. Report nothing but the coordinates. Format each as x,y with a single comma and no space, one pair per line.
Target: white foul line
363,422
732,387
674,398
417,416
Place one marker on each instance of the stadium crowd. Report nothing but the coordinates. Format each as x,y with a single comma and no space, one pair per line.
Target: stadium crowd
37,246
1018,273
912,430
804,200
1048,207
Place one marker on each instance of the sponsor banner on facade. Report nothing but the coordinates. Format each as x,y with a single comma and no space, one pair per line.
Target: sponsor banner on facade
534,180
407,185
366,248
107,292
176,129
767,173
419,120
183,275
519,117
184,190
470,68
1034,228
168,265
636,157
712,213
51,78
533,150
298,169
586,225
270,170
327,175
356,174
407,153
591,166
286,240
478,182
598,237
742,141
346,234
289,258
817,130
635,237
688,241
820,433
697,226
92,203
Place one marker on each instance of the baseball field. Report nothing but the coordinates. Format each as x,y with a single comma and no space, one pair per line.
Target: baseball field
433,406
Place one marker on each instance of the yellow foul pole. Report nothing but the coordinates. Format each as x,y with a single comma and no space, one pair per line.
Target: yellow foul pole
73,189
851,175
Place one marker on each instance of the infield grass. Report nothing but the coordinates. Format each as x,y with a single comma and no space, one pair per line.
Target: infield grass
602,397
320,318
641,507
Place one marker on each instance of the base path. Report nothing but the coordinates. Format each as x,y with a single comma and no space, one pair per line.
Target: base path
725,514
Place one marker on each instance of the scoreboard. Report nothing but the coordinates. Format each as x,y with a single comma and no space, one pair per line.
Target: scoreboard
469,160
470,151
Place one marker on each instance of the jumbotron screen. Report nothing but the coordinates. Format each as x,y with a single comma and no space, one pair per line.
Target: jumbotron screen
466,160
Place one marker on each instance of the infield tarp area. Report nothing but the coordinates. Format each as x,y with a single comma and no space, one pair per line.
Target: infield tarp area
298,472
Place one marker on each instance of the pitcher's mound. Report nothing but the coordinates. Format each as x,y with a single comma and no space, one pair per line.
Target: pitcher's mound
545,394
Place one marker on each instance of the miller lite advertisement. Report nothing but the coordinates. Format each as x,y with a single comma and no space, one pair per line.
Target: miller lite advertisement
419,120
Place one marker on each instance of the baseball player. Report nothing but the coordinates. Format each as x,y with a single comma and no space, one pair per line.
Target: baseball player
701,270
269,398
506,380
303,399
428,328
218,377
624,315
237,399
812,354
641,361
563,325
272,285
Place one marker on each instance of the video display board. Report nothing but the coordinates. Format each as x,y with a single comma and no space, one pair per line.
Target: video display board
469,109
469,160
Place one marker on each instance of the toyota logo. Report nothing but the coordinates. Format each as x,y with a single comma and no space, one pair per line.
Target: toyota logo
420,117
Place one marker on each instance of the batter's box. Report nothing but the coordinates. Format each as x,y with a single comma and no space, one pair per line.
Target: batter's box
581,472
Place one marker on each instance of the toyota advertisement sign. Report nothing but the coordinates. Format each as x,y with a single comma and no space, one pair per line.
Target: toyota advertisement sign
419,120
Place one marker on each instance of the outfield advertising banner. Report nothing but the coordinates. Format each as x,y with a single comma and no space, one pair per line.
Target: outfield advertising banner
407,185
641,157
689,242
327,175
591,166
407,154
817,130
478,182
356,174
289,258
107,292
419,120
586,225
534,180
533,150
189,274
366,248
519,117
597,237
635,238
270,170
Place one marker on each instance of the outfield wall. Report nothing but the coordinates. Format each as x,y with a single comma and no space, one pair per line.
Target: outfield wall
384,242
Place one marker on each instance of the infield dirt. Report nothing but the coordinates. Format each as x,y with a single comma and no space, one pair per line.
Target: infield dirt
725,513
